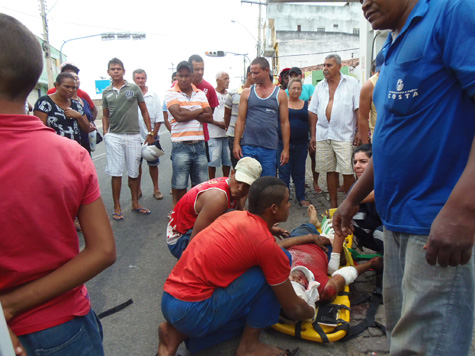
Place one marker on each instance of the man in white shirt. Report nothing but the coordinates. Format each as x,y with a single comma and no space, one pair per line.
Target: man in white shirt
154,107
332,113
219,153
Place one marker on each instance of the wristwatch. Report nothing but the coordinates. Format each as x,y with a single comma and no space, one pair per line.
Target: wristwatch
151,133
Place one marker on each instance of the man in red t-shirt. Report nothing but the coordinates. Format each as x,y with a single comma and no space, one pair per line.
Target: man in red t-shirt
233,279
204,203
42,269
69,67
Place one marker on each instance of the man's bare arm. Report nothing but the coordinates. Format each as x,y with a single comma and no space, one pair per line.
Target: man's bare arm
294,307
240,123
206,115
366,98
98,254
312,121
210,205
105,120
284,126
227,117
183,115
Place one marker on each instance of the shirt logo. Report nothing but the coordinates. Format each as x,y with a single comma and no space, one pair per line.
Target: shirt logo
400,95
129,94
400,85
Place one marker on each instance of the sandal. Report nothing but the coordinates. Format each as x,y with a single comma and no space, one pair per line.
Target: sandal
142,211
158,195
117,216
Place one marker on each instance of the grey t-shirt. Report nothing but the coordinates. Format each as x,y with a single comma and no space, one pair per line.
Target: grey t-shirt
123,108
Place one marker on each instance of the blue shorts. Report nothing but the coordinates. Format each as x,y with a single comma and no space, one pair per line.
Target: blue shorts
249,300
81,336
219,153
181,244
265,156
189,160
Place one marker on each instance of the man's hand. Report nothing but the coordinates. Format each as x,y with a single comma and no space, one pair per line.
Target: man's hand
284,157
313,145
17,346
149,140
451,238
279,232
321,241
220,124
237,151
343,217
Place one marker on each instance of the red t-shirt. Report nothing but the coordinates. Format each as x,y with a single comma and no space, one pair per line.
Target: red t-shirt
81,93
222,252
314,258
213,101
184,214
44,179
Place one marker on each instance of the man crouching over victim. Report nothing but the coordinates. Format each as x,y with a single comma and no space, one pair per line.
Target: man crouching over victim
232,279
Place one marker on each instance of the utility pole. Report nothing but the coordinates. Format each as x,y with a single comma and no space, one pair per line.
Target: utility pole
46,46
259,31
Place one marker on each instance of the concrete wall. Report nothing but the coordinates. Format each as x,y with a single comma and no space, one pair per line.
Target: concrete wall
306,33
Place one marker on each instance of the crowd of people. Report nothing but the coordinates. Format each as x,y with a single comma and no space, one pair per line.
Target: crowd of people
409,194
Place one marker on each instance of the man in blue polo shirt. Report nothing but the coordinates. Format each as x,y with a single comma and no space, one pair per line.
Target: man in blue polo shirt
424,164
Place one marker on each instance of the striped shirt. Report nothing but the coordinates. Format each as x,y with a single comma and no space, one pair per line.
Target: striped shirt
191,130
346,101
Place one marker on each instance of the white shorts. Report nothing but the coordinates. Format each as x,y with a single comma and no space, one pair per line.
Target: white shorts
334,156
120,148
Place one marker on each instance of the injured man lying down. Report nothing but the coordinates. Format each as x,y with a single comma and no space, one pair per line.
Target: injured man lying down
314,259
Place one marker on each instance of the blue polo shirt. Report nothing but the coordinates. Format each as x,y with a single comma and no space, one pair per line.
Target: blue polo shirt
426,114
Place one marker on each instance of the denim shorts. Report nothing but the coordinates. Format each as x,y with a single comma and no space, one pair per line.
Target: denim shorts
219,153
81,336
189,160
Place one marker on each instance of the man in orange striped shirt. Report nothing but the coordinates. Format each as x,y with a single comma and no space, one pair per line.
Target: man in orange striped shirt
188,109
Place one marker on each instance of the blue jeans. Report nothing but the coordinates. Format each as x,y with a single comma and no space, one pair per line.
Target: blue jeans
249,300
81,336
429,309
295,167
189,160
309,228
265,156
181,244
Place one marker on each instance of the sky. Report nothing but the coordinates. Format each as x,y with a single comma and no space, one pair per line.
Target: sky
175,29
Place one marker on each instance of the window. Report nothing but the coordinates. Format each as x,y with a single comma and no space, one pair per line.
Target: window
321,29
335,25
356,31
299,28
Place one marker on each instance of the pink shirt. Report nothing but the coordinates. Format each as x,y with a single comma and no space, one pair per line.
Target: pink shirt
44,179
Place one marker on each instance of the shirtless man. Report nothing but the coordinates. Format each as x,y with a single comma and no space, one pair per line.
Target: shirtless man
333,142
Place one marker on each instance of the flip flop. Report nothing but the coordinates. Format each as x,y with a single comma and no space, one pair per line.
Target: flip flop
294,352
158,195
117,216
142,211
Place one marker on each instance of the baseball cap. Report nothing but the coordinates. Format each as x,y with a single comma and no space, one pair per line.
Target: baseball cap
247,170
295,70
379,61
68,65
184,65
284,70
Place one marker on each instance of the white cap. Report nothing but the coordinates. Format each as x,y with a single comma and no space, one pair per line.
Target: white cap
247,170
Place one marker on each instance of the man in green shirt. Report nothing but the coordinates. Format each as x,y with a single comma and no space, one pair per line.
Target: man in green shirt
120,103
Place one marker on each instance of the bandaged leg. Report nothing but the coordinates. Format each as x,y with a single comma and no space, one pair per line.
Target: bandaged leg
348,273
